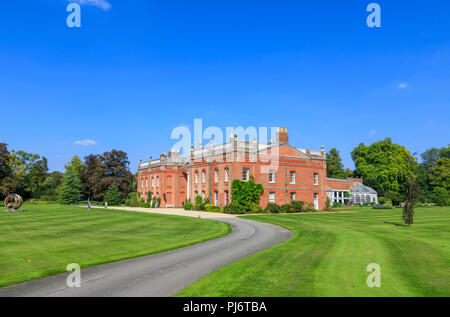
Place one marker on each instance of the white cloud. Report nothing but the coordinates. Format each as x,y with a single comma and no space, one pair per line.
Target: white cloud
402,85
372,132
85,142
102,4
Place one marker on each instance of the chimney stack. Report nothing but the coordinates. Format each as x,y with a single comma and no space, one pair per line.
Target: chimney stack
282,135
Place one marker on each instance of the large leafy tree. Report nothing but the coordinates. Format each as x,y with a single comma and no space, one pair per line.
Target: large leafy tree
29,171
91,174
440,175
335,168
246,193
71,188
99,172
384,166
434,174
7,182
75,164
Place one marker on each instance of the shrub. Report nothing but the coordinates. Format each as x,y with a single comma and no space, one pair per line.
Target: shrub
158,202
287,208
337,204
233,208
246,193
146,205
382,207
188,205
131,200
272,208
212,208
299,206
141,202
255,208
199,203
309,207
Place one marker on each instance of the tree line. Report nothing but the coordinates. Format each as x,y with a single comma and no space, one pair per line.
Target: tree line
99,177
391,170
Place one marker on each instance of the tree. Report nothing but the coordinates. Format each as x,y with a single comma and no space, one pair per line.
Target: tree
410,191
91,174
384,167
113,196
335,168
441,196
246,193
29,171
52,186
71,189
440,175
75,164
99,172
7,183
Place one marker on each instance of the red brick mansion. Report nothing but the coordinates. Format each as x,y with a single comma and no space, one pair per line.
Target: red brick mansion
286,172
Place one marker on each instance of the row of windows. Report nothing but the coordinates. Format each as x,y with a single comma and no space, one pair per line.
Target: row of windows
216,176
216,197
153,182
246,176
291,196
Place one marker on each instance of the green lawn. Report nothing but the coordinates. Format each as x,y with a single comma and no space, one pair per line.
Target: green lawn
44,239
329,254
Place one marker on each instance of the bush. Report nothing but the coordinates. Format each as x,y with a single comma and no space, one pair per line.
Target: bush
188,205
287,208
255,208
272,208
382,207
299,206
146,205
199,203
233,208
246,193
132,200
336,204
141,202
212,208
309,207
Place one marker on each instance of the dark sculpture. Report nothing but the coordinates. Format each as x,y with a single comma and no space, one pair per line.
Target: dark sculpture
13,202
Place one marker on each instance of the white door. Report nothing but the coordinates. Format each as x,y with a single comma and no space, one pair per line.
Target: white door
316,201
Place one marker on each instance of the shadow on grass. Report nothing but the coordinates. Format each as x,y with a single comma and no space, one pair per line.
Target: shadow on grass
396,224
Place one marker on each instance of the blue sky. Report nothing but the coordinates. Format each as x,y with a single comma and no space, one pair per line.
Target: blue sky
137,69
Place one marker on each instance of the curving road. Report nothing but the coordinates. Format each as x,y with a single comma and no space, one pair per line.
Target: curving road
163,274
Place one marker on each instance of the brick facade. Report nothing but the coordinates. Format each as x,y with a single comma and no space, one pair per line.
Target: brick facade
175,178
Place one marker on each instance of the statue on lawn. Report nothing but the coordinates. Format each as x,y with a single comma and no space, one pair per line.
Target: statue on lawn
13,202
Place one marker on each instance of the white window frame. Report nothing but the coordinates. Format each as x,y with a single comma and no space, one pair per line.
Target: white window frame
292,179
157,181
196,177
216,175
272,176
203,176
271,197
227,174
292,196
246,174
316,179
227,197
216,198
